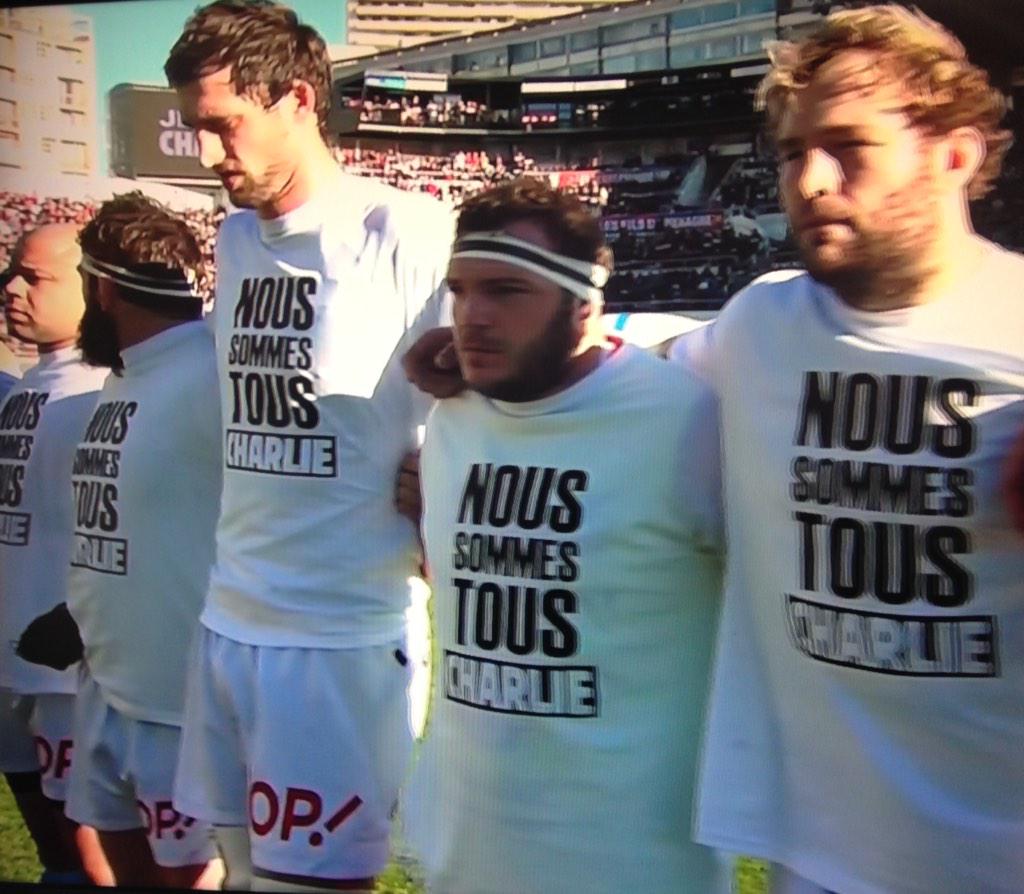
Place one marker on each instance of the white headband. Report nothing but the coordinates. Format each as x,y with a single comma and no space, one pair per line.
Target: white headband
584,279
170,281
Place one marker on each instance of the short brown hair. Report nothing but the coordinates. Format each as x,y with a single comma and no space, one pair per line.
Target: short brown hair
132,229
947,90
265,46
573,230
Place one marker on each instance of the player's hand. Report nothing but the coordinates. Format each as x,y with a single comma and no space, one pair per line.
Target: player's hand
432,366
52,640
407,489
1013,484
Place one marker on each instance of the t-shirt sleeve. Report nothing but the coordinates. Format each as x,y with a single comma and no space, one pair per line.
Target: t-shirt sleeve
7,382
695,350
700,472
422,254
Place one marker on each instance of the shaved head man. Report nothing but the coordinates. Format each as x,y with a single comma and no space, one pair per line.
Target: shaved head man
41,419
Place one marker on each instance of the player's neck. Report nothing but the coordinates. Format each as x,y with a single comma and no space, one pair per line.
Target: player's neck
52,347
961,252
135,328
307,178
588,356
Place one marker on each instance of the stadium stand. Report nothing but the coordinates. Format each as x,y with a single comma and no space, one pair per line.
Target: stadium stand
21,212
687,230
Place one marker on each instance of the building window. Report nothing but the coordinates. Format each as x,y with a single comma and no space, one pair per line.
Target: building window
686,18
72,119
8,114
6,75
480,60
8,148
685,54
70,55
7,50
719,12
754,43
72,93
584,40
552,46
630,31
74,157
619,64
755,7
523,52
722,48
47,143
41,49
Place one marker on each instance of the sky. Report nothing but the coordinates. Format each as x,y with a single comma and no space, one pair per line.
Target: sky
133,38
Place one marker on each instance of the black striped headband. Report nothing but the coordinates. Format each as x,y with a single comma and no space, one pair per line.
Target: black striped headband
584,279
151,278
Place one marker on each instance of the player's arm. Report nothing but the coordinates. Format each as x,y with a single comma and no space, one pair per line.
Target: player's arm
431,365
700,472
408,499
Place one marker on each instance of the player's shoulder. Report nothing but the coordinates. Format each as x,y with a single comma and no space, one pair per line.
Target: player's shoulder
777,287
199,352
772,299
397,215
644,379
238,224
1006,271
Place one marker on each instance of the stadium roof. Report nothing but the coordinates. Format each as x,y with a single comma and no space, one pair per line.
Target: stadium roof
606,14
990,29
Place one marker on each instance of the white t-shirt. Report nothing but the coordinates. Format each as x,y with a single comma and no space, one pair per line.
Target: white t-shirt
41,420
314,312
866,719
573,546
147,479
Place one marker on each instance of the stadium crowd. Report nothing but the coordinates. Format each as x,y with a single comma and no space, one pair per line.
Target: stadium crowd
715,260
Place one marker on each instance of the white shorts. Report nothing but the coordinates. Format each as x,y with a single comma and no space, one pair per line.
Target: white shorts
17,745
48,718
123,779
307,747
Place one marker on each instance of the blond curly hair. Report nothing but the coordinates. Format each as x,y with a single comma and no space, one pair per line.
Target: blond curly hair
946,91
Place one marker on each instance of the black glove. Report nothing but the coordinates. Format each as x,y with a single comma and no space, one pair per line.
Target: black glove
52,639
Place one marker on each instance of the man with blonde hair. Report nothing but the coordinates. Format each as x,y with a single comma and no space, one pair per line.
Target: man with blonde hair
865,718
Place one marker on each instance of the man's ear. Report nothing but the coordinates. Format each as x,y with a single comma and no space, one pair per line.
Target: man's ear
963,151
304,97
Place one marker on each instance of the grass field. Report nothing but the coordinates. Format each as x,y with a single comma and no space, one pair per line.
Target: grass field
18,861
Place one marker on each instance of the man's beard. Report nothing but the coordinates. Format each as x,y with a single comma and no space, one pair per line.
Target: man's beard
888,259
97,339
542,363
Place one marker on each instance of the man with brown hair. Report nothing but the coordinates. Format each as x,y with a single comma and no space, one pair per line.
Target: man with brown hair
146,485
296,732
865,721
576,576
865,717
